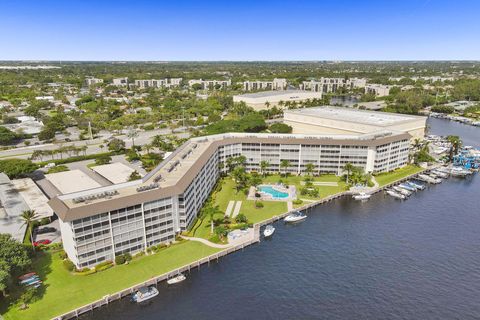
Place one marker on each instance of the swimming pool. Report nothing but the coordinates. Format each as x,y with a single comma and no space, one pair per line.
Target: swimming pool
273,192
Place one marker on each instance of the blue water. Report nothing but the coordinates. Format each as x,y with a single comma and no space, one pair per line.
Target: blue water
380,259
273,192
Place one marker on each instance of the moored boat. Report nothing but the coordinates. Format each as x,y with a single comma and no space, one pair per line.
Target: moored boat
362,196
295,217
407,187
176,279
269,230
144,294
400,190
417,186
395,194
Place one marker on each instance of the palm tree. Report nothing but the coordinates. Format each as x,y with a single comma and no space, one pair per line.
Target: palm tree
309,168
285,164
28,216
264,166
349,168
417,144
456,143
132,134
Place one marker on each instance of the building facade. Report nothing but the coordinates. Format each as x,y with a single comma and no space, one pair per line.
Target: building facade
120,81
210,84
268,99
379,90
158,83
276,84
327,85
91,81
99,224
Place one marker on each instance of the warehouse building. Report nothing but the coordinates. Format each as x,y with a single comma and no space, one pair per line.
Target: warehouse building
101,223
266,99
338,120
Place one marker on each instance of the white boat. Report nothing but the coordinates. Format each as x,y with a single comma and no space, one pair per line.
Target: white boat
295,217
269,230
177,279
407,187
362,196
400,190
459,172
144,294
440,174
416,185
396,195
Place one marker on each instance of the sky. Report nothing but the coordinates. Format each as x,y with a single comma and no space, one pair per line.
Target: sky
239,30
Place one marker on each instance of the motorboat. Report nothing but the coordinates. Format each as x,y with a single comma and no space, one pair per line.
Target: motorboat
362,196
269,230
417,186
396,195
459,172
403,191
407,187
295,217
176,279
440,174
144,294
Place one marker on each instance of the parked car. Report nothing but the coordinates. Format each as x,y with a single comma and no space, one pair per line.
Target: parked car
42,242
46,230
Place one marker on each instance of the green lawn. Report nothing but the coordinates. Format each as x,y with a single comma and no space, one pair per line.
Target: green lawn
389,177
64,291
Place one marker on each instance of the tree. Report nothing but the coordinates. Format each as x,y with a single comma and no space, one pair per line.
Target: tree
28,217
280,128
132,134
103,159
14,259
134,176
309,168
285,164
17,168
47,133
349,168
240,177
456,144
7,136
255,179
116,145
264,166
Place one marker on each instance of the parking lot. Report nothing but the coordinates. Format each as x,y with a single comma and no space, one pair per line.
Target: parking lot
52,236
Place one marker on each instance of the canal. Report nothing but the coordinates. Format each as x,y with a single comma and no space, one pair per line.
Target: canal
381,259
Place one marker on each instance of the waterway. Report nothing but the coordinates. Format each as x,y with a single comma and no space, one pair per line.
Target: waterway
381,259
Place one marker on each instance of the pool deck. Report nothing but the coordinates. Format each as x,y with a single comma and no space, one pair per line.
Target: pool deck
265,196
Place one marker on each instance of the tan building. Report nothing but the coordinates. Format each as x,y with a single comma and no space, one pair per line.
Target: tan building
380,90
337,120
260,100
327,85
276,84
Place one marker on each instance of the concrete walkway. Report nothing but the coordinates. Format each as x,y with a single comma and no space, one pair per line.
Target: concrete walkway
207,243
238,205
289,205
229,208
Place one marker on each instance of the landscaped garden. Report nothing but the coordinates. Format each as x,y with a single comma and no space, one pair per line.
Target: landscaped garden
63,291
389,177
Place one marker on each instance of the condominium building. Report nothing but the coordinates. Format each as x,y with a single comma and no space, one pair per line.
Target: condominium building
268,99
276,84
210,84
327,85
159,83
120,81
341,120
380,90
101,223
91,81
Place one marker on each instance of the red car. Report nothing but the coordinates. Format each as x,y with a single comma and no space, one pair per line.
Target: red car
46,241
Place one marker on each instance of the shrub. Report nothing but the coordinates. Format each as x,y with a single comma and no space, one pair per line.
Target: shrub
101,265
241,218
128,256
68,265
148,127
59,168
258,204
120,259
30,295
139,254
85,271
62,255
297,201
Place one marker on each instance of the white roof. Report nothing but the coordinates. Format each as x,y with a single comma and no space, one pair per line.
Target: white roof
33,196
72,181
114,172
354,115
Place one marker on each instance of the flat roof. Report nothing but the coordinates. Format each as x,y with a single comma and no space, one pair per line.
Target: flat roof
376,118
115,172
72,181
33,196
12,206
273,93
